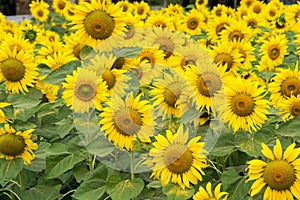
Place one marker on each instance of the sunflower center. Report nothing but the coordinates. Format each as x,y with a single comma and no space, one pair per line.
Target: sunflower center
252,24
220,28
170,97
137,72
178,158
12,145
129,33
40,13
273,52
192,23
61,5
140,10
128,121
12,69
295,109
76,50
242,104
166,45
257,9
99,25
236,35
208,84
291,86
223,59
109,78
85,92
279,175
148,58
119,62
272,13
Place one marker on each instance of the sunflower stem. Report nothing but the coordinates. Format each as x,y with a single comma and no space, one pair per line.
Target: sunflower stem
131,165
21,180
91,162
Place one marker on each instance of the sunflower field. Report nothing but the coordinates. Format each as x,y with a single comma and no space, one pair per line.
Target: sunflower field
120,101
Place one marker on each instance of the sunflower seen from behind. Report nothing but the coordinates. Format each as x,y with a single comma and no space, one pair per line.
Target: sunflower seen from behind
17,144
208,194
177,159
276,175
127,119
17,69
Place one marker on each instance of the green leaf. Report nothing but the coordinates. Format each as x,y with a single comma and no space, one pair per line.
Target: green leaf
225,144
290,128
235,185
100,146
124,189
85,51
80,172
154,184
175,192
42,192
58,76
93,187
252,145
24,101
38,164
127,52
57,165
9,169
64,127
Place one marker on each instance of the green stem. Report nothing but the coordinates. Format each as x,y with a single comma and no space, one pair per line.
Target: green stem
131,165
21,180
91,162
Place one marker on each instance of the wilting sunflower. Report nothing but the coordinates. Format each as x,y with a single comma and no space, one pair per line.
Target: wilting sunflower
278,177
290,107
127,120
17,144
176,159
170,94
246,107
3,117
17,69
39,10
97,21
207,193
206,81
84,90
284,84
273,51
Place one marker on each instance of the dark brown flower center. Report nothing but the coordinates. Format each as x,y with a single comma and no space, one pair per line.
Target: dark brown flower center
273,52
119,62
209,84
128,121
109,78
279,175
223,59
192,23
171,95
85,92
291,86
220,28
236,35
61,5
99,25
12,69
178,158
295,111
11,144
242,104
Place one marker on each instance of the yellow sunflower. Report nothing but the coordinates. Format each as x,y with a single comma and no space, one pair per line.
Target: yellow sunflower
273,51
17,69
97,21
49,91
84,91
278,177
257,7
290,107
216,26
39,10
284,84
151,55
192,23
127,119
201,3
17,144
246,107
207,193
254,20
177,159
141,9
157,19
125,6
237,30
271,12
292,16
59,58
247,51
3,117
59,6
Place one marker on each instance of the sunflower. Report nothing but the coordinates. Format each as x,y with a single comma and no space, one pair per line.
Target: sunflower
170,94
3,117
18,42
192,22
127,119
17,69
125,6
226,53
157,19
49,91
39,10
220,11
151,55
292,16
245,107
237,30
216,26
17,144
247,51
208,194
176,159
273,51
201,4
206,81
271,12
278,177
290,108
58,59
84,90
59,6
284,84
254,20
97,21
141,9
257,7
69,11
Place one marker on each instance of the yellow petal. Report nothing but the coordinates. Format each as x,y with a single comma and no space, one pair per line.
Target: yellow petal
278,150
267,151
